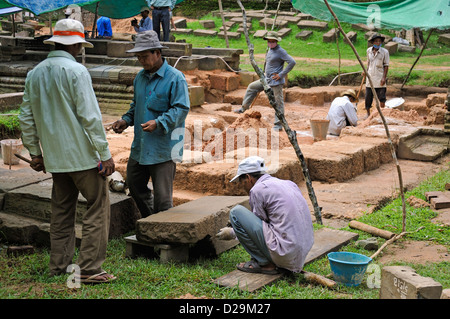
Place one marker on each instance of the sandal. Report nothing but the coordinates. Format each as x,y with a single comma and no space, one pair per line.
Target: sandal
252,266
97,278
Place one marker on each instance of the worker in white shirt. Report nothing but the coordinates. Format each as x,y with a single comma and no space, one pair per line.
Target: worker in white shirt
342,113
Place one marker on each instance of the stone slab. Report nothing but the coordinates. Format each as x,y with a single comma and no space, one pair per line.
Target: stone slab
205,33
269,21
318,25
207,24
305,34
423,145
260,34
182,31
444,38
402,282
325,241
230,35
118,49
188,223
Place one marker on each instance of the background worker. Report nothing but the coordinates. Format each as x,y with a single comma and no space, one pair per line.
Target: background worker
278,231
104,28
275,75
161,17
342,113
377,68
60,113
158,112
145,24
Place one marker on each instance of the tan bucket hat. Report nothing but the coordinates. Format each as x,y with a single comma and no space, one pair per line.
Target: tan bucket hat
272,35
350,92
145,8
68,32
147,40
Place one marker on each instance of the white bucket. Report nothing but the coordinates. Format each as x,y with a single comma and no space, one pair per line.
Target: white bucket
9,148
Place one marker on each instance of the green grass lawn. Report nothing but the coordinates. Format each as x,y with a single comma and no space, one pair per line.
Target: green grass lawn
326,66
27,277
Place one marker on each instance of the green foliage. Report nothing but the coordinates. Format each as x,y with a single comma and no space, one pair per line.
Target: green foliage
9,124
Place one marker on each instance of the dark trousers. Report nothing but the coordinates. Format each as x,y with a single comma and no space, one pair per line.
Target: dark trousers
161,16
95,220
381,93
162,176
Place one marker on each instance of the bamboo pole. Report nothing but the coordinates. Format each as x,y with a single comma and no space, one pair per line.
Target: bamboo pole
377,103
420,54
276,15
292,135
223,24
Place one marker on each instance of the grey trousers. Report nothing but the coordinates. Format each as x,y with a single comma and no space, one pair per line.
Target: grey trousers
249,230
162,176
95,220
255,87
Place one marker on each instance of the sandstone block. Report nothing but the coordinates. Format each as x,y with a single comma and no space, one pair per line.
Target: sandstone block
205,33
180,23
392,47
318,25
330,36
190,222
227,81
284,32
352,36
260,34
118,49
208,24
230,35
406,48
444,38
196,95
305,34
402,282
445,294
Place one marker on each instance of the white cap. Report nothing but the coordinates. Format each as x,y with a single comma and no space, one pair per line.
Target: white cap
252,164
67,32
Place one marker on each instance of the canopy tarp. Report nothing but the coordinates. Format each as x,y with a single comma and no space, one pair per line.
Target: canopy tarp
10,10
386,14
116,9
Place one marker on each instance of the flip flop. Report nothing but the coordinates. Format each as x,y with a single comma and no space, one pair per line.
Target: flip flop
97,278
252,266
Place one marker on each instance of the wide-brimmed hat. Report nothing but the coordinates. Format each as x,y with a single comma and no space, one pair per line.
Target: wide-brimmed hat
252,164
68,32
272,35
350,92
147,40
144,8
376,35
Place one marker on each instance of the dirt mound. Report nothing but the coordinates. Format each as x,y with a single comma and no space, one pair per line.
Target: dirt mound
123,25
393,117
249,130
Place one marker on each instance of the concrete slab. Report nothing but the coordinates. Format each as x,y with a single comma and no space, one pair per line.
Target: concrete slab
188,223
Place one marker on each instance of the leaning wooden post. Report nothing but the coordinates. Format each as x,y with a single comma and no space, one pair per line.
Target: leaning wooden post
292,135
414,64
377,103
223,24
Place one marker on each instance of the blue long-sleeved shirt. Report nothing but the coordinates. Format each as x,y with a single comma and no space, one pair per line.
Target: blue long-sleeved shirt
104,27
275,60
144,25
163,97
163,3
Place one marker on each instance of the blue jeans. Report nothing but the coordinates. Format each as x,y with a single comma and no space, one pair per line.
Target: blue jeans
249,230
161,17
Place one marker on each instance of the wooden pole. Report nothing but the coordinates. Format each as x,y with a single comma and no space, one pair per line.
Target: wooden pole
223,24
414,64
94,26
292,135
377,104
276,15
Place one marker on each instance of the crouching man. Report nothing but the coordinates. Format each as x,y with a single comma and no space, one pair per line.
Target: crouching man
278,231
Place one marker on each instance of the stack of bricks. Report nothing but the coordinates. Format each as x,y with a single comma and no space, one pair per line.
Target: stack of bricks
447,114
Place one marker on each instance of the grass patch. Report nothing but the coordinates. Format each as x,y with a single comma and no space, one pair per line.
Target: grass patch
27,277
322,65
9,124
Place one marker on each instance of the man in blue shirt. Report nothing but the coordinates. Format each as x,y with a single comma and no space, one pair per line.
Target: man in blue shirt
104,27
145,24
158,112
161,15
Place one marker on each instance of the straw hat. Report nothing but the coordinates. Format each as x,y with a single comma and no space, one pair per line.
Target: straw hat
68,32
272,35
144,8
351,93
252,164
147,40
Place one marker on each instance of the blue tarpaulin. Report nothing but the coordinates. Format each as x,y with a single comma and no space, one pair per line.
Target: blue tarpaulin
10,10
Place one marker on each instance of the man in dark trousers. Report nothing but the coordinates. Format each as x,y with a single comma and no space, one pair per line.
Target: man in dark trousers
161,16
158,112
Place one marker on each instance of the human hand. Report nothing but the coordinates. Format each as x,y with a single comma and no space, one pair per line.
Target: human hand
276,77
226,233
149,126
37,163
383,82
119,126
108,167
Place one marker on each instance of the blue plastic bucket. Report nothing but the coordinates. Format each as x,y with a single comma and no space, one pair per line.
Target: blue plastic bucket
348,268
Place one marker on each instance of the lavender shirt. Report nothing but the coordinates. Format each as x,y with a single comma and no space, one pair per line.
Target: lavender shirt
287,224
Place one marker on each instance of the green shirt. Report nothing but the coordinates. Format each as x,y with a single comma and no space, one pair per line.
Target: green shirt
60,114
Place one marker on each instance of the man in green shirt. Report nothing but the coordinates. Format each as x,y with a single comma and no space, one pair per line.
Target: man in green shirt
62,129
